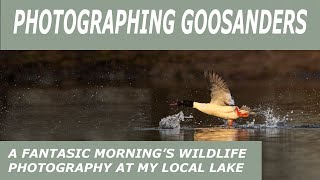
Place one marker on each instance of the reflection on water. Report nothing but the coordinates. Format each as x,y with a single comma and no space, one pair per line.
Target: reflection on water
171,135
216,134
122,112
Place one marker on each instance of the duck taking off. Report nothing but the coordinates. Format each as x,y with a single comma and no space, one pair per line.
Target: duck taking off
222,104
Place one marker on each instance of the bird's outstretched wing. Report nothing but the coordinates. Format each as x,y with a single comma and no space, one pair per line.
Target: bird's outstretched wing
220,93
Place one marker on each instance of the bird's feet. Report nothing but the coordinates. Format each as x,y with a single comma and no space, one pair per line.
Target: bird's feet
242,113
229,123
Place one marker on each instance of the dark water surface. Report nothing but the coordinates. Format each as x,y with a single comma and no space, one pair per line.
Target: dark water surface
132,111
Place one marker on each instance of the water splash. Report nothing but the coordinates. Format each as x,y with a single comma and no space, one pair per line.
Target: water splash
173,121
271,119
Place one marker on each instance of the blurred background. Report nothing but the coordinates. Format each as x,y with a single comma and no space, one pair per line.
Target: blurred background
122,95
57,67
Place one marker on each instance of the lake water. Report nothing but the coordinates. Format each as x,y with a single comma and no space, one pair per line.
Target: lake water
132,111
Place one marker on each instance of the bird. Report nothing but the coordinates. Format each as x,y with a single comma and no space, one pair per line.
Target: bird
222,104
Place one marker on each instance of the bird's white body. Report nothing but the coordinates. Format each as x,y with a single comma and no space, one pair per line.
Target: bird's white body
222,104
225,112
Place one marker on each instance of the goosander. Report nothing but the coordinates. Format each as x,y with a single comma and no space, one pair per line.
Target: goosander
222,104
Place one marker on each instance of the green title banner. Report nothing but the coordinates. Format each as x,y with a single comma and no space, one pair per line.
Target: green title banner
166,25
130,160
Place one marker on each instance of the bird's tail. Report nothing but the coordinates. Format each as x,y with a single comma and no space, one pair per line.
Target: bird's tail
248,109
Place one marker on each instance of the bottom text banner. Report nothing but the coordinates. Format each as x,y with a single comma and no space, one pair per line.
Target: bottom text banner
130,160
